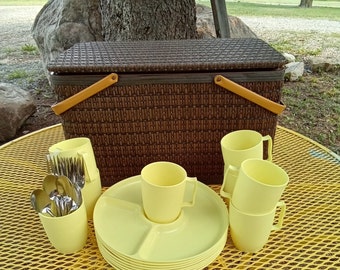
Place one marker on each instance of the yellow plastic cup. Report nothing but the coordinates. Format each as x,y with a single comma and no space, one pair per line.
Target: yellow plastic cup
250,232
91,193
229,180
68,234
163,187
238,146
259,186
75,147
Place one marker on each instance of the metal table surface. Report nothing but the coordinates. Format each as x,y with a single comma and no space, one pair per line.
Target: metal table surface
310,238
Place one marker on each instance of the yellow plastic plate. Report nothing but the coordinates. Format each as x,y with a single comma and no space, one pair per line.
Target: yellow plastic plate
121,226
117,261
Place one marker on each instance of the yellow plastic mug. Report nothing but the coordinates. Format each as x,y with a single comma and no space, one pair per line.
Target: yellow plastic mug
68,234
91,192
75,147
82,146
238,146
259,186
250,232
229,181
163,188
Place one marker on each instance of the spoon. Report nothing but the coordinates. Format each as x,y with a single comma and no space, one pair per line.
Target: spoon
65,197
65,187
41,202
50,183
50,188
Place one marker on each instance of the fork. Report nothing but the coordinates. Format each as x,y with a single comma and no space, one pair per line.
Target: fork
72,167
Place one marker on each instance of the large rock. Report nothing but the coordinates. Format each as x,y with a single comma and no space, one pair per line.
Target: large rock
206,28
16,105
289,57
294,70
62,23
320,64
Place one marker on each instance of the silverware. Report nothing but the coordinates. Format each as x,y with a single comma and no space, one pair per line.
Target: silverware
41,203
50,188
69,191
64,197
72,167
65,182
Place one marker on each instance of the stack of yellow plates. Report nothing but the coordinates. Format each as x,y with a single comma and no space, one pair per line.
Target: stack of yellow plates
128,240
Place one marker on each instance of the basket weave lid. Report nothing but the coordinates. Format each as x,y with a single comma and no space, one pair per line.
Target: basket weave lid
168,56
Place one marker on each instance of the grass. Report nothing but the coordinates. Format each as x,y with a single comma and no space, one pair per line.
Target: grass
17,74
251,9
9,50
22,3
286,45
232,6
275,8
29,48
24,49
261,9
313,110
316,3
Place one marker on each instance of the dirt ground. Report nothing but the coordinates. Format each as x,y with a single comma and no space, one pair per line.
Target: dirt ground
313,103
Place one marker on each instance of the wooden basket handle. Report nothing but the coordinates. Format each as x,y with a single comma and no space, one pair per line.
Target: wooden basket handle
93,89
249,95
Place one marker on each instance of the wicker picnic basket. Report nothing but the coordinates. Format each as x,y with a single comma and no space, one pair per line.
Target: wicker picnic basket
146,101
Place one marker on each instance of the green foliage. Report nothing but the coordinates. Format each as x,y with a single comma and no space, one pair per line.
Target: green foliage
9,50
251,9
289,45
29,48
314,108
274,9
17,74
285,45
23,2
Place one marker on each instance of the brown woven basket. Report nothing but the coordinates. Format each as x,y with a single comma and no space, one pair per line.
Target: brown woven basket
165,105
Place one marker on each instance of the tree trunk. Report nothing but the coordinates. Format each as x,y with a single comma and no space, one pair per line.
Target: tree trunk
148,20
306,3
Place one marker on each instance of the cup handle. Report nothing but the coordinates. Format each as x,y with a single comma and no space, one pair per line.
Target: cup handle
192,180
282,206
86,161
270,146
222,192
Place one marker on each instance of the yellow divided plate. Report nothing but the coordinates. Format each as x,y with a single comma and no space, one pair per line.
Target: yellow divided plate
122,228
119,262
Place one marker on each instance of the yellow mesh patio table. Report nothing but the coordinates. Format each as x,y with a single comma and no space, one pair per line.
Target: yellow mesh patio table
310,238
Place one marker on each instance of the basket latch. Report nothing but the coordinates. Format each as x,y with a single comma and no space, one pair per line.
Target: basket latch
93,89
249,95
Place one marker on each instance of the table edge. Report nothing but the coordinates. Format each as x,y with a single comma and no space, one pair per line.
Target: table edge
330,152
